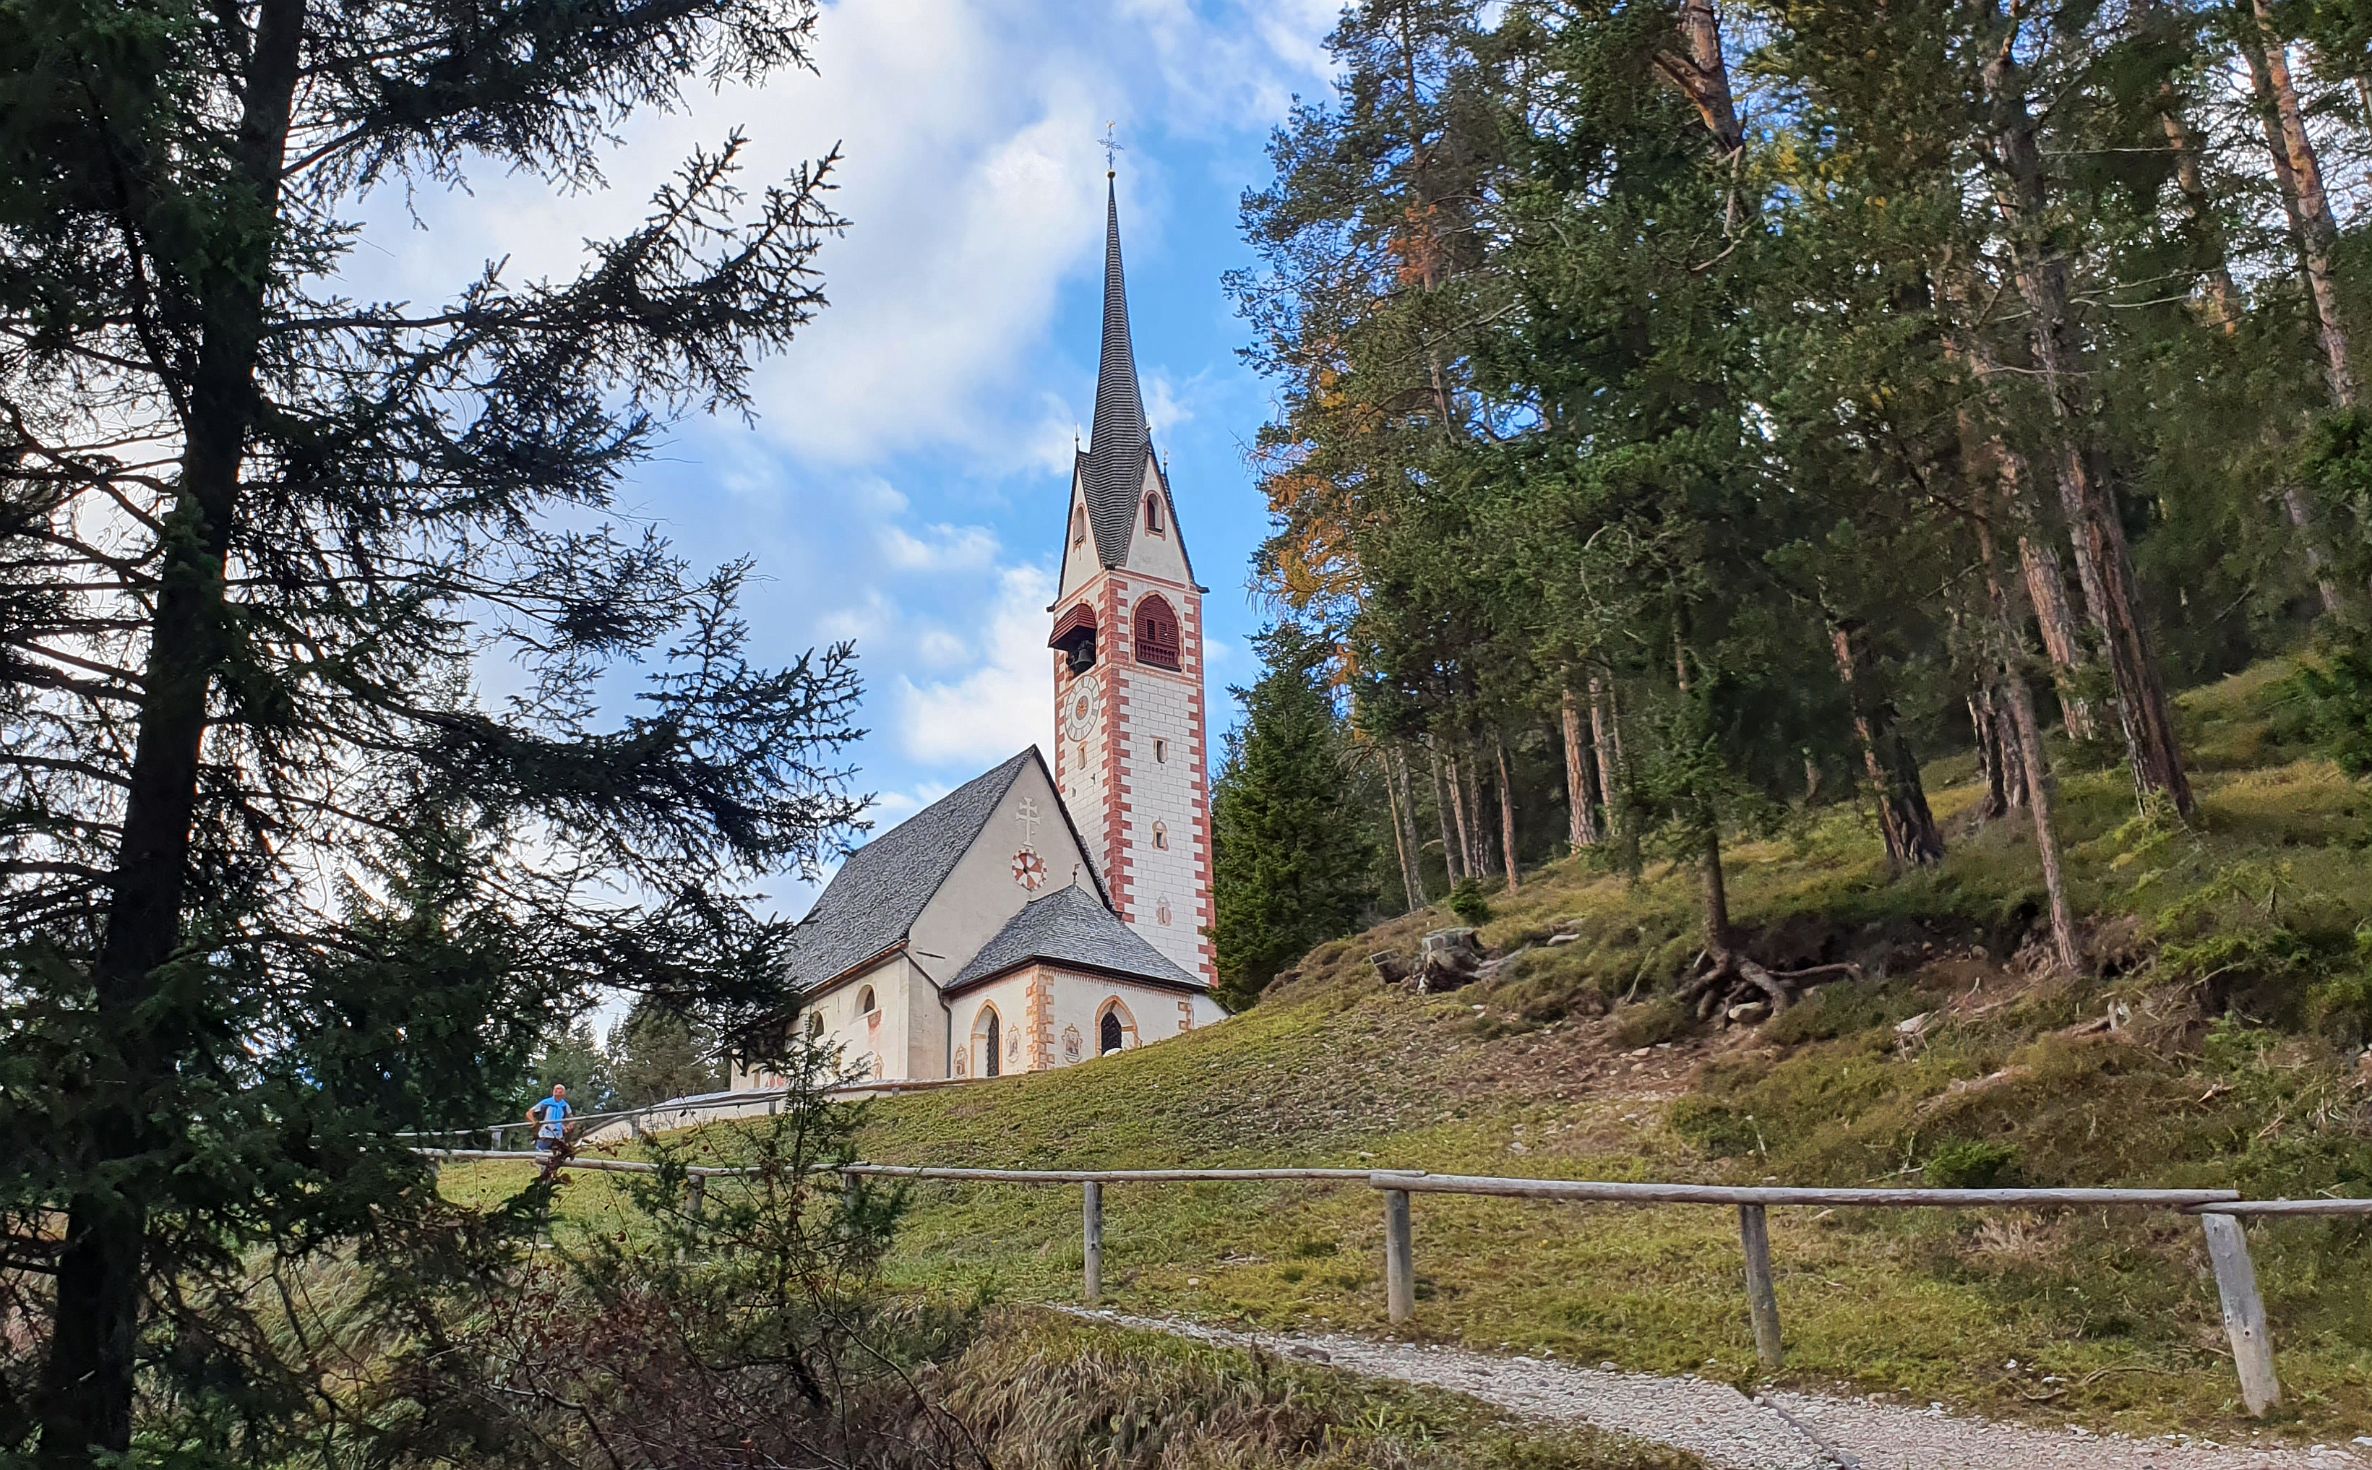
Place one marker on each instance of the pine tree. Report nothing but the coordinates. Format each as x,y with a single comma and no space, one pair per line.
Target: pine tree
1294,861
573,1057
258,534
657,1053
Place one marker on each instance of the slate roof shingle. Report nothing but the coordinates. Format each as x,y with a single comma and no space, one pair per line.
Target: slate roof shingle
1119,442
1072,926
882,887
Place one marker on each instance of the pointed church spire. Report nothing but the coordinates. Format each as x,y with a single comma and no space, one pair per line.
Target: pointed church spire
1119,441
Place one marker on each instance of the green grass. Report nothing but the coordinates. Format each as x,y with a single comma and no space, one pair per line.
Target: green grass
1040,1392
2233,950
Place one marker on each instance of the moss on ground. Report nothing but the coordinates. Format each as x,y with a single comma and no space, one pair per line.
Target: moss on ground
2233,960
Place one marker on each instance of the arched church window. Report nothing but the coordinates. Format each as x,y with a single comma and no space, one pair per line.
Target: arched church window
1115,1028
1153,512
815,1025
1161,835
1079,525
992,1031
865,1002
1156,634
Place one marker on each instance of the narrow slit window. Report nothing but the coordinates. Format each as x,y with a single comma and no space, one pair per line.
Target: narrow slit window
1161,835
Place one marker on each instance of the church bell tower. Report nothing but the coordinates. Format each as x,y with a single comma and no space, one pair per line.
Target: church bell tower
1129,747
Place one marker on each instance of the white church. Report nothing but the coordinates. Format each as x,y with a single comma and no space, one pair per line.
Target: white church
1035,918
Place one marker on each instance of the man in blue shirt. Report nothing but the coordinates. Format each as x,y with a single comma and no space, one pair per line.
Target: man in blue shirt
550,1115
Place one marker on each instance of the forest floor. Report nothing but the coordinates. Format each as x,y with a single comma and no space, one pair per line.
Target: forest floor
2219,1045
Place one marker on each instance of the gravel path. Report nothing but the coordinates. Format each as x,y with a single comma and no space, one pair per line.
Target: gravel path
1778,1431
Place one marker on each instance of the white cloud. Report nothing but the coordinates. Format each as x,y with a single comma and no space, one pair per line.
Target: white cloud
860,622
1005,702
941,548
939,648
880,497
1165,409
969,133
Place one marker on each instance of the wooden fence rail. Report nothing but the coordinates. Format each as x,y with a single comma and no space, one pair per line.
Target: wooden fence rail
2220,1212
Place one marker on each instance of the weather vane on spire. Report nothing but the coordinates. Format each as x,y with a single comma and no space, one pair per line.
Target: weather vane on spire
1112,149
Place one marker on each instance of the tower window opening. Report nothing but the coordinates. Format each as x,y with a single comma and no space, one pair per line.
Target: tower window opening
1153,512
1079,525
1156,634
1161,751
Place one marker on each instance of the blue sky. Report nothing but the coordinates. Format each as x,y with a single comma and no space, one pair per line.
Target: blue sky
904,486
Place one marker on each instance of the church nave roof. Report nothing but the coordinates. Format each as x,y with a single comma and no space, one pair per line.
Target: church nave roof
1071,926
881,889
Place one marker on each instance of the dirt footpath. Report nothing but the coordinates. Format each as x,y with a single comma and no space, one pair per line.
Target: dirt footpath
1777,1431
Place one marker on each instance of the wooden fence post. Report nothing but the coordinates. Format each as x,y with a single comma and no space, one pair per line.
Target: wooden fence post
1092,1222
1762,1296
850,1185
1400,1265
2244,1313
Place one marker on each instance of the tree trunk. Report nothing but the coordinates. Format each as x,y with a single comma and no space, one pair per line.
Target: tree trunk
1582,815
2300,174
1461,806
1716,894
2223,298
2033,760
1904,820
1442,806
2046,593
2046,579
1403,829
2104,564
1466,785
1606,740
1698,69
1990,767
85,1397
2313,232
2013,757
1506,814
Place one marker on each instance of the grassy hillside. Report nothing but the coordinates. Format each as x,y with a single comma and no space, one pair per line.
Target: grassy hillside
2233,956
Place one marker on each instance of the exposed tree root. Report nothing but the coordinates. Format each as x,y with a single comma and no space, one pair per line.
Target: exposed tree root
1726,979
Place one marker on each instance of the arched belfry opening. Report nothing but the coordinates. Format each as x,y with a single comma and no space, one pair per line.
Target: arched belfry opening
1074,638
1157,638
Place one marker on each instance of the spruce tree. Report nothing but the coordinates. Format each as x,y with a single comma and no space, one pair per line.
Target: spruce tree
259,533
1294,862
657,1052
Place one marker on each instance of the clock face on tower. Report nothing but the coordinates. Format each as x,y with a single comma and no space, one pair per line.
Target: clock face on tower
1082,706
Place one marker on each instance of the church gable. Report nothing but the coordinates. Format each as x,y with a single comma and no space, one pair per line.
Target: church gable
1156,547
884,887
1024,848
1081,559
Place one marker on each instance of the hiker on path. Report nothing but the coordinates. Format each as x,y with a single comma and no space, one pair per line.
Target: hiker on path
550,1115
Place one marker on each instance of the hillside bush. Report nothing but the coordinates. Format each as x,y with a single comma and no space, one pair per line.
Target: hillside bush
1468,903
1977,1163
